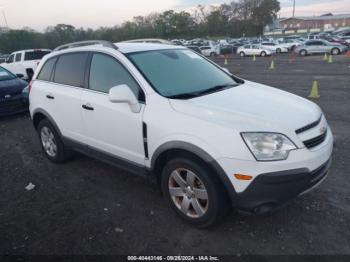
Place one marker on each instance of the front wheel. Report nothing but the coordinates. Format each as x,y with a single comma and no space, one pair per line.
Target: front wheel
242,54
279,50
194,192
303,53
335,51
212,54
263,54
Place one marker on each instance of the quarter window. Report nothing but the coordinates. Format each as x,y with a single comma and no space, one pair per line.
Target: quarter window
46,71
106,72
70,69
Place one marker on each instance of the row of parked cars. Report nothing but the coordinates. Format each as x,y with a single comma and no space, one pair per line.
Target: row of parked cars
313,44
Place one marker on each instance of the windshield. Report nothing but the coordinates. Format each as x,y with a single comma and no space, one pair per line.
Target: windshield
181,73
6,75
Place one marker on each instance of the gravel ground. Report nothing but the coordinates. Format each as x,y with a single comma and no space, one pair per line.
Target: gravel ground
88,207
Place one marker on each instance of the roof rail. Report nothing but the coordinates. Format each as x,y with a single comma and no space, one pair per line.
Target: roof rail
86,43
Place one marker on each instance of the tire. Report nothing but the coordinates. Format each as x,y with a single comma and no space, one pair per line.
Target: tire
51,142
278,50
198,190
303,52
242,54
263,54
212,54
335,51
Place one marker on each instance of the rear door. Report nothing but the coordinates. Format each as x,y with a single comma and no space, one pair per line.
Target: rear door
64,93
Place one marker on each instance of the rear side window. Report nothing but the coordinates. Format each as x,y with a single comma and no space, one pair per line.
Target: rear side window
70,69
35,55
46,71
18,57
106,72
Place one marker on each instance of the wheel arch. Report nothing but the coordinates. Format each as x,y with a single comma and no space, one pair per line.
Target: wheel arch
40,114
176,148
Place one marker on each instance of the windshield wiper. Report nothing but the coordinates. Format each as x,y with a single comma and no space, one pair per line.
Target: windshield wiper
203,92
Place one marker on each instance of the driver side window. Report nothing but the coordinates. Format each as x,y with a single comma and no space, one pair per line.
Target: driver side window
10,59
106,72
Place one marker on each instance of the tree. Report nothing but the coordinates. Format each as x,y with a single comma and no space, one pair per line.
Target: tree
235,19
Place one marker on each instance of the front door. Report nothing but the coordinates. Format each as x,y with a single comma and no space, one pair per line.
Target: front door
112,127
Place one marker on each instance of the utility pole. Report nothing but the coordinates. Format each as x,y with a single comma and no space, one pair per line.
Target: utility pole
4,16
293,8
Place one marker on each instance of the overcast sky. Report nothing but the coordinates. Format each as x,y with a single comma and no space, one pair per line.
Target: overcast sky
38,14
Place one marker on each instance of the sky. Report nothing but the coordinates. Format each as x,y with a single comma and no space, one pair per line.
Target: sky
38,14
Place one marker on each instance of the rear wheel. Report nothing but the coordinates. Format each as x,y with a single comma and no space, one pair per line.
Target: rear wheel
51,142
335,51
194,192
212,54
263,54
278,50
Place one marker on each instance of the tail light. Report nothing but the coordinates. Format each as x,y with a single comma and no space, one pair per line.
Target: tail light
30,86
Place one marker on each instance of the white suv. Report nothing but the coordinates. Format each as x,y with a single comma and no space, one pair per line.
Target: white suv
211,139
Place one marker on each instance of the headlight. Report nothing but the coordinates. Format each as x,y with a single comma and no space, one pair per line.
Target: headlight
268,146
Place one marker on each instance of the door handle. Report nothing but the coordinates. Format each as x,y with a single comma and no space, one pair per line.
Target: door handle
50,97
88,107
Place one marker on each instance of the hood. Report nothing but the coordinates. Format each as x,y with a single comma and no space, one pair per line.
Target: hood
12,87
252,107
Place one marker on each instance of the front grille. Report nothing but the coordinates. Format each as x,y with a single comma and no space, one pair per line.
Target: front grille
311,143
308,127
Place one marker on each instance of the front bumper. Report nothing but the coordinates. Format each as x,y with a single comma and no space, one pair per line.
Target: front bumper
273,190
14,105
275,183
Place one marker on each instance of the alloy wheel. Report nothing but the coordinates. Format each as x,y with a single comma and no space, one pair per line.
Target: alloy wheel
188,193
48,141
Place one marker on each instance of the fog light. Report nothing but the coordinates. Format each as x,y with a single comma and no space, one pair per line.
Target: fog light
243,177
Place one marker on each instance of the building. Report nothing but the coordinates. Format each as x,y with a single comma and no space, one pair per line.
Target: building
311,24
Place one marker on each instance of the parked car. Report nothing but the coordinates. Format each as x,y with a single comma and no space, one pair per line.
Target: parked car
250,50
208,51
12,98
334,39
276,48
195,48
320,47
291,44
211,139
25,62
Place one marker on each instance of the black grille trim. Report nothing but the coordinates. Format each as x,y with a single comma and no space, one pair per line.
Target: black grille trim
308,127
311,143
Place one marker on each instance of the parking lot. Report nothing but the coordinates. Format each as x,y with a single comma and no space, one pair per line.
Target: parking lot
88,207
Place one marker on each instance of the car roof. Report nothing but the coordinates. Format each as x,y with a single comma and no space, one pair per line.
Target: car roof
33,50
127,48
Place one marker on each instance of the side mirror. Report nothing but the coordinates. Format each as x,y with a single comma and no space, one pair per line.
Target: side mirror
20,75
123,94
